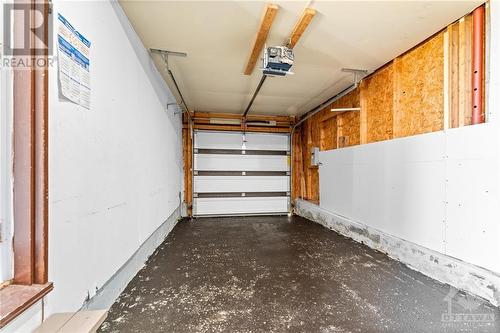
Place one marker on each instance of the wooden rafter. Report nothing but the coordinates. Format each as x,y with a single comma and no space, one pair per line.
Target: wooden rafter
260,39
301,26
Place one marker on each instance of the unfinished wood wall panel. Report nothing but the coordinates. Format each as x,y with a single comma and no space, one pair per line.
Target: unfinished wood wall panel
298,184
407,96
376,95
315,133
453,72
305,186
187,163
418,90
305,161
310,139
460,72
321,131
348,122
346,132
328,134
312,189
465,71
351,100
348,129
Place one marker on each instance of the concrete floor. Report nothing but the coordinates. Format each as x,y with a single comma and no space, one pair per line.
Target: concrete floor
277,274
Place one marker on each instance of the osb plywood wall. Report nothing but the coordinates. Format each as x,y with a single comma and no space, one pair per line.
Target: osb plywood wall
328,134
418,89
424,90
348,129
377,105
187,165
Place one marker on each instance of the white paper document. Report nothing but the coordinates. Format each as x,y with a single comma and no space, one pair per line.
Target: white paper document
74,64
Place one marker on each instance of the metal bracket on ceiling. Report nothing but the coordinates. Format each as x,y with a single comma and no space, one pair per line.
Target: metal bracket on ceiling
165,53
171,104
358,73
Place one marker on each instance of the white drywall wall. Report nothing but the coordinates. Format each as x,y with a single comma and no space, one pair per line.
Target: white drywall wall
6,255
115,170
438,190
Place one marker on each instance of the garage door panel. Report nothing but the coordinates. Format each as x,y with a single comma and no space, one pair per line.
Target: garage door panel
262,205
254,141
240,162
241,184
240,174
266,141
214,140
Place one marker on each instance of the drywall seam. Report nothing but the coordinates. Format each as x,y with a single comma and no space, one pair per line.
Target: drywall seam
446,269
110,291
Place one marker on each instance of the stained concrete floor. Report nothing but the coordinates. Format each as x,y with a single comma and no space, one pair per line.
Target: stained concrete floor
280,274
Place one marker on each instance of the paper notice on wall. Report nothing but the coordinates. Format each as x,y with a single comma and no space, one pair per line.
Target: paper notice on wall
74,64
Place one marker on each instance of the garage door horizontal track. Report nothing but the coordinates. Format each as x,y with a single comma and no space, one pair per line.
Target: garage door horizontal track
276,274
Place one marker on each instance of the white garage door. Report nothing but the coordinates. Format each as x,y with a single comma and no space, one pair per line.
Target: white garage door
241,174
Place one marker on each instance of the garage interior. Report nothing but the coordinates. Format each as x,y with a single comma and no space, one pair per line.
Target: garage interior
254,166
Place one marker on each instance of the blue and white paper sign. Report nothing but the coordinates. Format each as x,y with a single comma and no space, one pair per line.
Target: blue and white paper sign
74,64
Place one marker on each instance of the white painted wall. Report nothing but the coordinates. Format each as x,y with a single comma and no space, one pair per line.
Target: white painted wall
438,190
116,169
6,255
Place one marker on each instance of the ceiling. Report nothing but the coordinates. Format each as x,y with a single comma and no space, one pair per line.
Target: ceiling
218,37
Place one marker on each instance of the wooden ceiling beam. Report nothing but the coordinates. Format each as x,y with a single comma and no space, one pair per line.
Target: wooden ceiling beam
301,26
214,115
264,129
199,114
265,25
206,121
